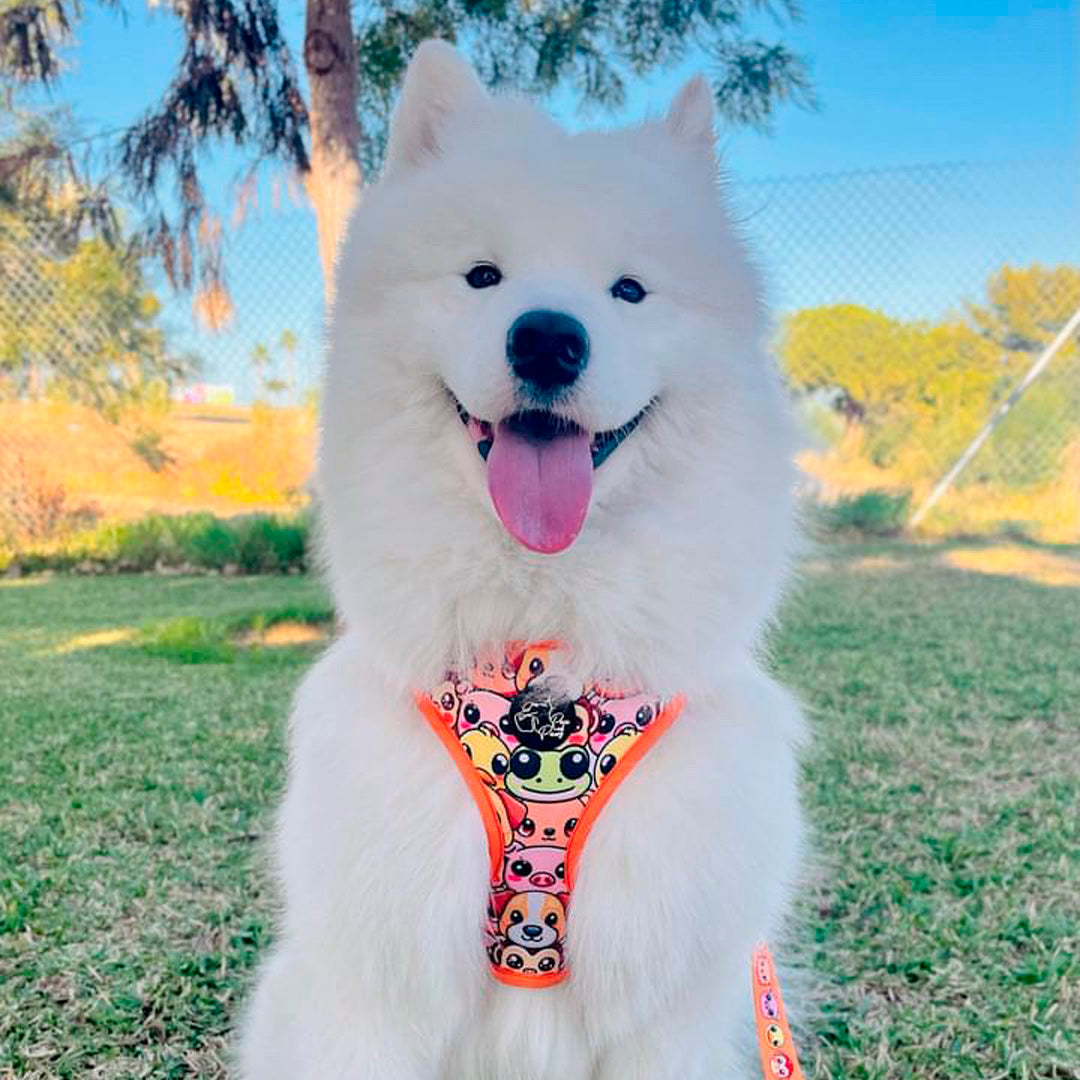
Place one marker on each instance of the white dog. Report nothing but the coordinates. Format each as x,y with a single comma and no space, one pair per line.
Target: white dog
548,421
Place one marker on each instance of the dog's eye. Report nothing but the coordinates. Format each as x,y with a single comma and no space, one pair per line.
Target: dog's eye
536,666
546,963
629,289
516,916
514,961
484,276
552,919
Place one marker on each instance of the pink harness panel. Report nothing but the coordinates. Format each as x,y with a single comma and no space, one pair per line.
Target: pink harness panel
541,766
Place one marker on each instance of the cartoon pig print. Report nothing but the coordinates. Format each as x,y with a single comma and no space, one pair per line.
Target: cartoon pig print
481,707
541,867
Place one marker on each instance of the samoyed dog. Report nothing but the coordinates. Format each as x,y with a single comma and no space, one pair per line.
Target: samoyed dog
556,475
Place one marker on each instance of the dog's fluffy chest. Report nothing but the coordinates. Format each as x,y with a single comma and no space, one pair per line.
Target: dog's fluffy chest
384,841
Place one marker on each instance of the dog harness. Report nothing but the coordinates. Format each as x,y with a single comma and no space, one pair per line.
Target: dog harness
541,764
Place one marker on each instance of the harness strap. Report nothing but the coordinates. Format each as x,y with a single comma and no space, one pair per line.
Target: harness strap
775,1044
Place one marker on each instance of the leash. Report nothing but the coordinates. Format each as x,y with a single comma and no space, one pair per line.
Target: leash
775,1044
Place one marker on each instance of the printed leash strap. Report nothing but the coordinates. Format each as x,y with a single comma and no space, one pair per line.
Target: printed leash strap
778,1057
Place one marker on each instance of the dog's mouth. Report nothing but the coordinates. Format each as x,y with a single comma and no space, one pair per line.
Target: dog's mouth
540,467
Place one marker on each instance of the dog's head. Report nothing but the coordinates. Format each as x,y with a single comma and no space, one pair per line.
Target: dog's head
546,351
534,920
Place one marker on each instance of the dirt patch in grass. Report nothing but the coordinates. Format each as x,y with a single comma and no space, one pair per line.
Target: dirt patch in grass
1010,560
287,632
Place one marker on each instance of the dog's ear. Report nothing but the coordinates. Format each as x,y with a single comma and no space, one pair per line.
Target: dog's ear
692,114
499,901
438,84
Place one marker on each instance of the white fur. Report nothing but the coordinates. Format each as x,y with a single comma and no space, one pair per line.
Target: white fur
379,970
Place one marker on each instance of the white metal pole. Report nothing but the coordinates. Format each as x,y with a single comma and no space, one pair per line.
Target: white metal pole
1033,373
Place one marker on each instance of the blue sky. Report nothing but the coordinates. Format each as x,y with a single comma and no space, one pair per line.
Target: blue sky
899,84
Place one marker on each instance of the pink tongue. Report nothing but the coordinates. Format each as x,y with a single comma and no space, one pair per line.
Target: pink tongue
540,487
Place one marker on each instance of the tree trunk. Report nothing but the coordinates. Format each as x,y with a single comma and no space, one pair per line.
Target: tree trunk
333,184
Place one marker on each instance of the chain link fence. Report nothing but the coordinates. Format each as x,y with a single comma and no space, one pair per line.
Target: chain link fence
910,304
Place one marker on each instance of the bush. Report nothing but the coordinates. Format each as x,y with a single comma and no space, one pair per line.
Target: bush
248,544
873,513
34,509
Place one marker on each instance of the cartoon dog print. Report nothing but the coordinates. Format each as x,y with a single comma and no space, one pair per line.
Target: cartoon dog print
541,868
549,822
534,920
549,775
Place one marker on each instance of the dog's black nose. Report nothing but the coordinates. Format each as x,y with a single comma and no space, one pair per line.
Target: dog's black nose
532,931
548,349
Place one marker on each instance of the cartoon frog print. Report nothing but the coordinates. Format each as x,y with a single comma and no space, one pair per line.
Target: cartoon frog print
549,775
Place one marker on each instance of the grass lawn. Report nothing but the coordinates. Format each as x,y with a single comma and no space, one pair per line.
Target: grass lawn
142,752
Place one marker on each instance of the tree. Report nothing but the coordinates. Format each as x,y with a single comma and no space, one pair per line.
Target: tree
914,393
39,177
77,320
1026,306
885,376
90,336
237,81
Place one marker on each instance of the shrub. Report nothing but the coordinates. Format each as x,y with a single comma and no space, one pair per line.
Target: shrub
249,544
33,508
872,513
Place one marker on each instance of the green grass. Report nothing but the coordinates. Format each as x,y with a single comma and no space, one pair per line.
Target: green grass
941,919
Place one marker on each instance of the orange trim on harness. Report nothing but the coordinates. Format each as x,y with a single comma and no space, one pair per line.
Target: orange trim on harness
598,800
472,781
